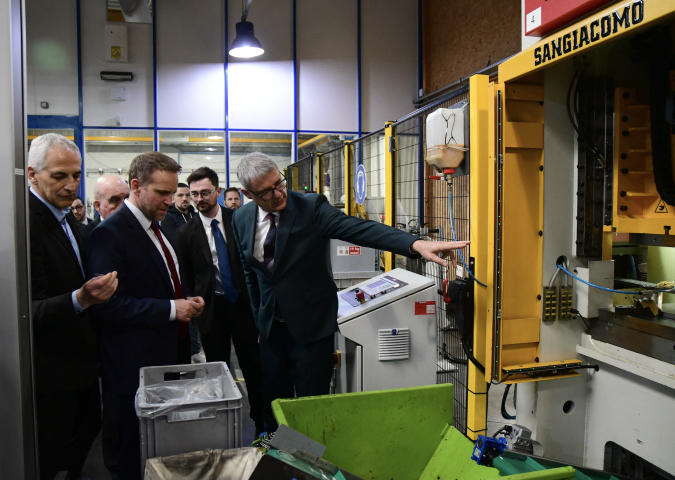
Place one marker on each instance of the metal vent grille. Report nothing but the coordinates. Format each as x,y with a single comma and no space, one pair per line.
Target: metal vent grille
394,344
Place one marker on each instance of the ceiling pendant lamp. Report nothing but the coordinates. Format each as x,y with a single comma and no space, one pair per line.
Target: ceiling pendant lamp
245,45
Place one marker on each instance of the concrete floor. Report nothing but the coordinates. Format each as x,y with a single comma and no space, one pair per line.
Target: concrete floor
495,421
95,470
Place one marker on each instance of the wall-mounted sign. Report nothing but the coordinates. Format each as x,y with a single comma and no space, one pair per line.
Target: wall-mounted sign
360,184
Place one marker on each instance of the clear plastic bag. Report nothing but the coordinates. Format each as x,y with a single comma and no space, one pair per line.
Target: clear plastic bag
155,400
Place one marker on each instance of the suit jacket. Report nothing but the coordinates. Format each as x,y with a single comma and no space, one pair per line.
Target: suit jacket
174,220
134,324
195,255
301,280
65,345
86,230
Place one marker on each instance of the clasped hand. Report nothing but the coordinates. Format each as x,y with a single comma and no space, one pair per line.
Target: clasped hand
188,309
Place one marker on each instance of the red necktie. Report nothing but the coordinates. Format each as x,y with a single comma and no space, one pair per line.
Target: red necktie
178,288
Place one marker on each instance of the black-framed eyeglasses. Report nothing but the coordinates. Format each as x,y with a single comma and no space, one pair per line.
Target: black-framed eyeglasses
269,193
205,194
78,207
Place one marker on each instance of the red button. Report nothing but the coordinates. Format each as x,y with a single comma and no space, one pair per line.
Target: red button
360,296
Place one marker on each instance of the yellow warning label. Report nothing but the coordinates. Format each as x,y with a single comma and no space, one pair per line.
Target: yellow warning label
115,52
661,207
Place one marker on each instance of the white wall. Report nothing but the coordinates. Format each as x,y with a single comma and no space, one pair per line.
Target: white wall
190,64
388,61
99,110
51,57
261,90
327,65
191,49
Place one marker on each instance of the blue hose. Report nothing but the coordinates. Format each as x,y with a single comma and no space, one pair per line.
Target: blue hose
452,228
596,286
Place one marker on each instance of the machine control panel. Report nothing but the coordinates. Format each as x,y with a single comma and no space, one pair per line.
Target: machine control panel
366,292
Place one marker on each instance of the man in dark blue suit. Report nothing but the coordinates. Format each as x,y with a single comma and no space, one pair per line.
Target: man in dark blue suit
283,239
143,323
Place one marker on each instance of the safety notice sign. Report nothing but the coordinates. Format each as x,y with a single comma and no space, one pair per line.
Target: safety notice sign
425,308
661,207
347,250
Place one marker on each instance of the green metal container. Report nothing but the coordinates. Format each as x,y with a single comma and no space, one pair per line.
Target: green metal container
389,434
404,434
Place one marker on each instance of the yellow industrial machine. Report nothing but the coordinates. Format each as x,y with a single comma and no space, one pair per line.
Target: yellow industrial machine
572,149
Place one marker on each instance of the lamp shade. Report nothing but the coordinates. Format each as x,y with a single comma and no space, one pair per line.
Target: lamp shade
245,45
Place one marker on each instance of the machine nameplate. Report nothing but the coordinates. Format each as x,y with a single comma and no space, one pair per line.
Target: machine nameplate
622,18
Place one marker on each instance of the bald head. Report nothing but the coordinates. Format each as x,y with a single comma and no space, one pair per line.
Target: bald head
109,193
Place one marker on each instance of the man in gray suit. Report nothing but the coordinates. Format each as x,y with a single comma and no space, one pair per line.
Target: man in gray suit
283,239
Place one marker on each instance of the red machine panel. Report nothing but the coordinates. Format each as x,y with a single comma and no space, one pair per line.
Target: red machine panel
543,16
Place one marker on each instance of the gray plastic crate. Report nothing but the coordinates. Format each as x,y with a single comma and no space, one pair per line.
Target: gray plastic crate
191,427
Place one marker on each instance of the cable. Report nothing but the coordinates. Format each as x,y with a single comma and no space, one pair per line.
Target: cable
505,414
581,134
624,292
553,279
506,430
596,286
452,228
470,356
574,311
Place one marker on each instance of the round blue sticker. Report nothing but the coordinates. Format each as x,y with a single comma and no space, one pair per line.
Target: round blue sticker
360,184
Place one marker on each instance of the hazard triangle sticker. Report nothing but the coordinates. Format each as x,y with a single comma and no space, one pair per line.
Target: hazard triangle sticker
661,207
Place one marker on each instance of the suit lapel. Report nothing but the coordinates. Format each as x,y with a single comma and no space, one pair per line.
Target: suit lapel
55,228
286,220
144,240
202,240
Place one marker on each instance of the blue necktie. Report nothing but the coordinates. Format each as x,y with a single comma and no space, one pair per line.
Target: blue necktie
226,278
73,242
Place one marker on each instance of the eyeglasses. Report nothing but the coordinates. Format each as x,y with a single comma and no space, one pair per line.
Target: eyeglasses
78,208
268,194
205,194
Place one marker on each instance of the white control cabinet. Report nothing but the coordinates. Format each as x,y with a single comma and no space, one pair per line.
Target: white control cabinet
387,333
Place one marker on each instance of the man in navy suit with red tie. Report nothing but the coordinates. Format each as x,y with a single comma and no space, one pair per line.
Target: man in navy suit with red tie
144,322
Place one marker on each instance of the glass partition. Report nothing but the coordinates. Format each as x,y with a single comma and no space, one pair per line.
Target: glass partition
193,149
110,151
279,146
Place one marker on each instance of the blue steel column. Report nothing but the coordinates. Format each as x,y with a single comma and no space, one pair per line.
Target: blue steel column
78,131
155,134
227,99
295,87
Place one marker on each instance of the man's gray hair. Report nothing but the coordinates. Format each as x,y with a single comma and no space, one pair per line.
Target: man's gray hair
40,147
254,165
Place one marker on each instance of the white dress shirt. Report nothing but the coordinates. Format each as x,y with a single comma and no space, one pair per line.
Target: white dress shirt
209,233
146,223
261,229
